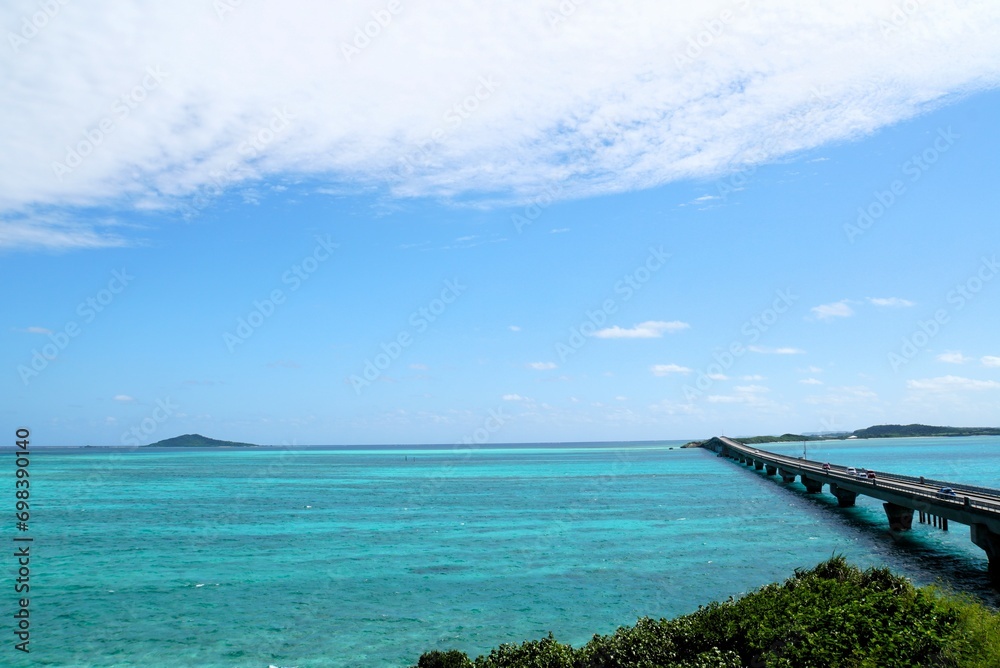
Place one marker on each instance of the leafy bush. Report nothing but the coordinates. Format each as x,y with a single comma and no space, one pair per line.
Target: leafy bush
834,615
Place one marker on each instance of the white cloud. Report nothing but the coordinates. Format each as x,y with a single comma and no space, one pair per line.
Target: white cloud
594,125
514,328
666,369
811,369
718,376
953,357
752,377
751,389
123,398
542,366
951,384
892,302
37,330
990,360
54,231
786,350
811,381
651,329
559,230
742,394
513,397
837,396
839,309
419,367
702,200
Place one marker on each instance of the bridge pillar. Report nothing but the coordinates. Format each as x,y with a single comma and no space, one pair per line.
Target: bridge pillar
845,497
812,486
758,465
771,470
990,543
900,517
786,476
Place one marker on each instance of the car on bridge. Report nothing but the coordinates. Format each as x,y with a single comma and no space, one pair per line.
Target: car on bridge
826,467
871,475
852,471
947,493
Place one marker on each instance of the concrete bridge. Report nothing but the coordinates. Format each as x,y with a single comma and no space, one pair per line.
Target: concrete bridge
977,507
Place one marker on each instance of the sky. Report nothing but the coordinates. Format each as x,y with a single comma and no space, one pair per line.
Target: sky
471,222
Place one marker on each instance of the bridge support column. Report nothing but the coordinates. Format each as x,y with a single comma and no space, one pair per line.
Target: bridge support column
771,470
845,497
758,465
812,486
990,543
786,476
900,517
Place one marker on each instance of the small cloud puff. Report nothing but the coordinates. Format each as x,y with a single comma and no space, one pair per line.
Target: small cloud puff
651,329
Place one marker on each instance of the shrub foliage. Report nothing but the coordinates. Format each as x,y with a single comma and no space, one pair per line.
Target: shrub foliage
834,615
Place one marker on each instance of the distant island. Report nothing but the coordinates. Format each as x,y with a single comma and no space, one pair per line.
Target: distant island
877,431
197,441
910,430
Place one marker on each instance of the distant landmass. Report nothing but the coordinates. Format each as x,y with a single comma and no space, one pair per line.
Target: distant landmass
877,431
910,430
197,441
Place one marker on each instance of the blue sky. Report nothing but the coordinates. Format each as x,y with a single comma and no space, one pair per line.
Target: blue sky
551,247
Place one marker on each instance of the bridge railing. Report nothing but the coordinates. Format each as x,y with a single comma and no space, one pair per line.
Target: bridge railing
942,483
957,501
885,478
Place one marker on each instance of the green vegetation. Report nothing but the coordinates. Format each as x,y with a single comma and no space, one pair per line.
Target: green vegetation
877,431
834,615
910,430
798,438
197,441
756,440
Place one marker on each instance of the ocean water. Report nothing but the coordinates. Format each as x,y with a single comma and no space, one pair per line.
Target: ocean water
368,557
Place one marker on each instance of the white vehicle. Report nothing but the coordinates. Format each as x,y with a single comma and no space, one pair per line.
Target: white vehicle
852,471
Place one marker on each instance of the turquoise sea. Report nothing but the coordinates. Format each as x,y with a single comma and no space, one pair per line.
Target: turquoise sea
370,556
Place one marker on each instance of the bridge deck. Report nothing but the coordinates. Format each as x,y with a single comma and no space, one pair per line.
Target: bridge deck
977,507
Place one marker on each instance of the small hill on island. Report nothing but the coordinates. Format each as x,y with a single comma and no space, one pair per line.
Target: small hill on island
910,430
197,441
877,431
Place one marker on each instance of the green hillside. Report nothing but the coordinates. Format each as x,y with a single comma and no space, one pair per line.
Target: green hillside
832,615
911,430
197,441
